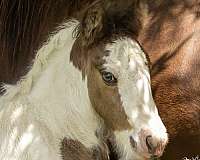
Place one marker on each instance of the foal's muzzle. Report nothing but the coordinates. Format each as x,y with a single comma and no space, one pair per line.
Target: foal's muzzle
149,145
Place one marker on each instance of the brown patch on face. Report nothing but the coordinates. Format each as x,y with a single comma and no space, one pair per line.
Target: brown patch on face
106,101
74,150
104,98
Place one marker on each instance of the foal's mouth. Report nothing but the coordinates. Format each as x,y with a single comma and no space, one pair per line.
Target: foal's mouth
146,155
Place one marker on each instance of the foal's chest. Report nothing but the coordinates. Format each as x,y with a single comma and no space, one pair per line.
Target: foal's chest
74,150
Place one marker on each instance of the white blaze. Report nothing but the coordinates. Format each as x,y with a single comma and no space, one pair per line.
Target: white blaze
135,91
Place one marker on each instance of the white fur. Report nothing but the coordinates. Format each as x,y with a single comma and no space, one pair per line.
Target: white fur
128,63
51,102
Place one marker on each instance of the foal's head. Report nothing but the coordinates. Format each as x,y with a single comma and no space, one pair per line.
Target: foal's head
118,78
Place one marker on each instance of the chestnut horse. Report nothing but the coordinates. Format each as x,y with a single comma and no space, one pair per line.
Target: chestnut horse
171,37
89,83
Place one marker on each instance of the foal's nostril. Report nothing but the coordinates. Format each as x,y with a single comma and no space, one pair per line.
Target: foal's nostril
150,145
133,142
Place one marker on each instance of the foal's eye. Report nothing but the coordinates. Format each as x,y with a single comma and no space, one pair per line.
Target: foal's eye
109,78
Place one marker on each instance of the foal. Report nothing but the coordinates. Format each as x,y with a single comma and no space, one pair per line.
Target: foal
77,87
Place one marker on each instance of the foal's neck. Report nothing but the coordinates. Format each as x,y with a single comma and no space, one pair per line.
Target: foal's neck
58,92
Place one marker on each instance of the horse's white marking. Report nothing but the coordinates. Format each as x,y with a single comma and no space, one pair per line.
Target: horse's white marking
51,102
135,91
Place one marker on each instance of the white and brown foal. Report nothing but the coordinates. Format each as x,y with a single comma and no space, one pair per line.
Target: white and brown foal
76,88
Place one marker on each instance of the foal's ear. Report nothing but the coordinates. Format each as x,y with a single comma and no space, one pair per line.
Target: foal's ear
91,25
89,31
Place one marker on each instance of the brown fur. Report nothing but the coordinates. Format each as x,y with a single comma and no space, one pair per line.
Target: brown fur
171,37
111,109
105,99
74,150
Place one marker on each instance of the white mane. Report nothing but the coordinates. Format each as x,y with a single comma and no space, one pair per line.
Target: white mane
51,102
55,42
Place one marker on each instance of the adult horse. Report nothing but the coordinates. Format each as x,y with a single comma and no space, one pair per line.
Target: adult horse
171,38
90,76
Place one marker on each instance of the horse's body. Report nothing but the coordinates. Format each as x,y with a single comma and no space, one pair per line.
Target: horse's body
171,37
90,78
